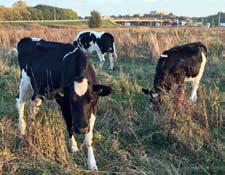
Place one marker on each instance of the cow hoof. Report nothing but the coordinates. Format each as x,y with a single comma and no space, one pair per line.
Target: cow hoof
193,100
74,149
22,128
93,167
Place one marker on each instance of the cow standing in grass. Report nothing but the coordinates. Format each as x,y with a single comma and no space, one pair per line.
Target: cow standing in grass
176,66
62,71
101,42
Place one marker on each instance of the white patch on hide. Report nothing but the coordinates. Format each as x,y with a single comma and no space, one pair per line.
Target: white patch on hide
81,87
35,39
195,80
163,55
97,34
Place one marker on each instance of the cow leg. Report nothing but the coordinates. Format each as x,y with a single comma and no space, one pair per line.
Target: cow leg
111,61
64,105
101,59
195,85
88,142
73,144
35,106
24,87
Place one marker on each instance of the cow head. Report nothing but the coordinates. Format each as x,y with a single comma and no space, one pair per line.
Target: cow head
83,106
80,93
79,108
106,43
154,96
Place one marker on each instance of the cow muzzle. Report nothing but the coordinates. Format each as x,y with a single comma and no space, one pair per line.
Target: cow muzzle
80,130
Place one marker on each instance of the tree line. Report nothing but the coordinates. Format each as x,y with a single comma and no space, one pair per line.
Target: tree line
20,11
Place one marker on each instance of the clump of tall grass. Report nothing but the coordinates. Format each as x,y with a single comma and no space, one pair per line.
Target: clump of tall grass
129,137
185,121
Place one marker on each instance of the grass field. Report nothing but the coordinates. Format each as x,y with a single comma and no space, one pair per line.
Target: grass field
129,137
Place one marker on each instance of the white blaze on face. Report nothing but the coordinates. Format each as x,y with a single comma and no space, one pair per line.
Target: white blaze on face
81,87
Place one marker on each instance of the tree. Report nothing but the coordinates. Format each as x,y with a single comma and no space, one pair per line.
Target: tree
20,3
95,19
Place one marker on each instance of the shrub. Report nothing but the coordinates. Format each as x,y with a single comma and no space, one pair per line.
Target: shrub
95,20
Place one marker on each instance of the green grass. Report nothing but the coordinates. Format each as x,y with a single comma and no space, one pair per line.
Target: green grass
105,23
129,138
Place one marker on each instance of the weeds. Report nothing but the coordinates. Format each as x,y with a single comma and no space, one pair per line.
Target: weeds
129,137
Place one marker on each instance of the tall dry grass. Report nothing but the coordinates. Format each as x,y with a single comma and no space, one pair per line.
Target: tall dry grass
129,137
139,42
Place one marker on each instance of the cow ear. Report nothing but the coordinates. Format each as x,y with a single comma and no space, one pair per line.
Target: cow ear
102,90
59,98
146,91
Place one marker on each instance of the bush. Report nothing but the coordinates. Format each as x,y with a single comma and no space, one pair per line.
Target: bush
95,20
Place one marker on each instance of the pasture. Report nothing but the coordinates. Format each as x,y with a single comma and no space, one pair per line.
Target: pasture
129,137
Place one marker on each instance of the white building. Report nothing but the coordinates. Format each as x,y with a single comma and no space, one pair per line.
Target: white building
161,12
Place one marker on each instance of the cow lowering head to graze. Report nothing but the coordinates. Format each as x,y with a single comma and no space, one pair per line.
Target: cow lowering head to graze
175,66
101,42
62,71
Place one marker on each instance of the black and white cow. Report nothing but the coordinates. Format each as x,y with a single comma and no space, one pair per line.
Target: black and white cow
101,42
47,68
177,65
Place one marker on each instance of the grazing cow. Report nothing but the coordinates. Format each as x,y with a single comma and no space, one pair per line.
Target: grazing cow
177,65
101,42
62,71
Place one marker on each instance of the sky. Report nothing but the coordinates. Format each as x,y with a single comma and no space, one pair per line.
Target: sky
191,8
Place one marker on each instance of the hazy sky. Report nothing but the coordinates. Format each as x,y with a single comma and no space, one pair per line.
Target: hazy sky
115,7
